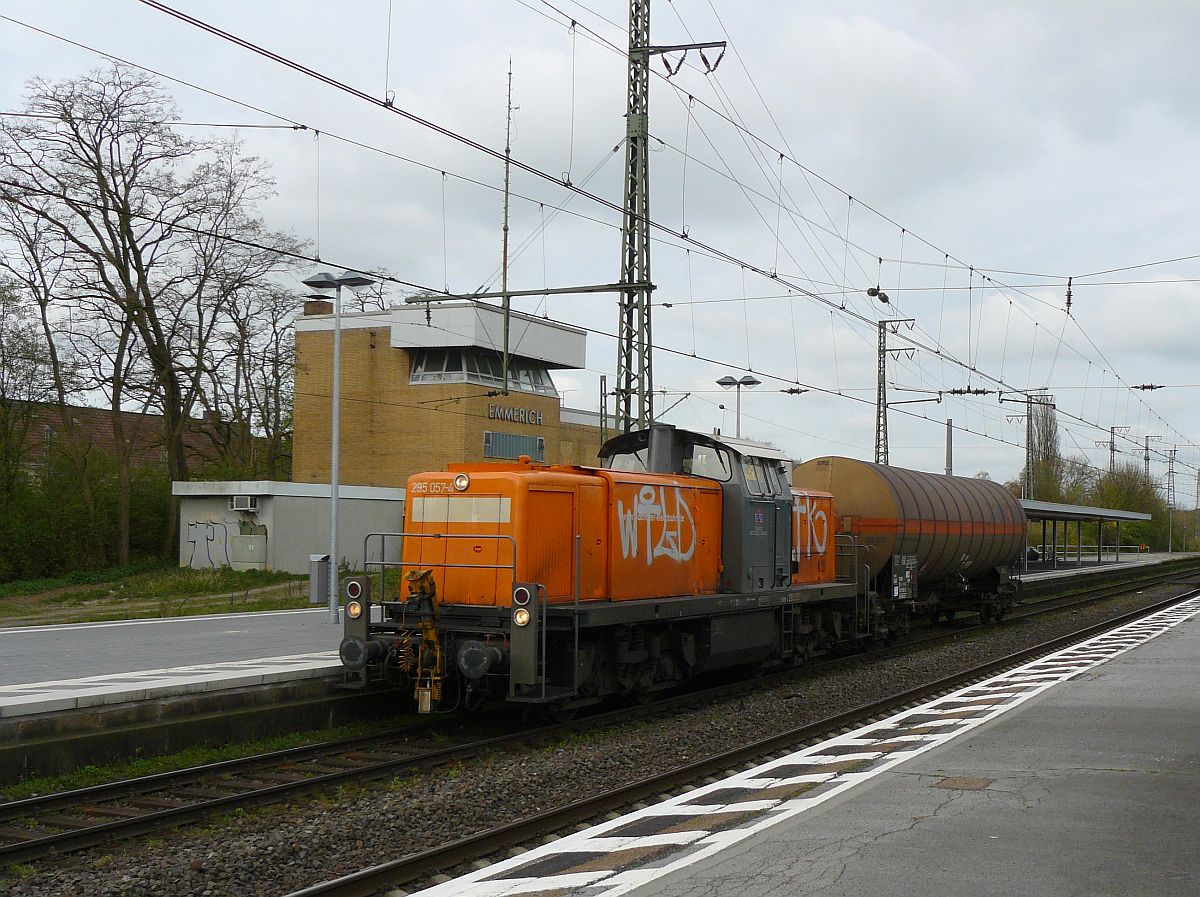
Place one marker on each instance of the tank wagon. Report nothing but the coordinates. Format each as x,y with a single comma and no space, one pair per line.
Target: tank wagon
557,586
960,533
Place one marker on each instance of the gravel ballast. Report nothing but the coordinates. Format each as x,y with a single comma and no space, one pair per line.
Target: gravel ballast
275,851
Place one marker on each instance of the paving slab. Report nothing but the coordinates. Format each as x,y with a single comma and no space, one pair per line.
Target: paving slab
1077,774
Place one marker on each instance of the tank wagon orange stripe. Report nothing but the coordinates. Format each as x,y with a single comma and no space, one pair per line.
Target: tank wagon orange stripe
939,527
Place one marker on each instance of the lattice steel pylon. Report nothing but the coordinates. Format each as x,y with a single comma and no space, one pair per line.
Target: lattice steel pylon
635,376
1146,457
881,433
635,362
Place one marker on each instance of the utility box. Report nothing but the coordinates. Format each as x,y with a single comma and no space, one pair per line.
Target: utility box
248,552
318,579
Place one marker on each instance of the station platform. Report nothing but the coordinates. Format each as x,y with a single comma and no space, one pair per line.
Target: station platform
1076,774
1042,571
136,660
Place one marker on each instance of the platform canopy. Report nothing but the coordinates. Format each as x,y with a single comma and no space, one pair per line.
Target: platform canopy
1052,510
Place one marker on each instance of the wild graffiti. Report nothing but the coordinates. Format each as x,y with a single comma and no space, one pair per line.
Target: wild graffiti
663,517
813,522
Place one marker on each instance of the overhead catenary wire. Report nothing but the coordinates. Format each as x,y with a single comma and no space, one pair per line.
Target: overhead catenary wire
736,124
760,271
742,128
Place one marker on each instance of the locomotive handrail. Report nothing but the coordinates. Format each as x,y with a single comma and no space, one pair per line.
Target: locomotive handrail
383,565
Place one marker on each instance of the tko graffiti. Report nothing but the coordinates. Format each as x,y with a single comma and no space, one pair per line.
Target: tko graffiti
663,517
813,522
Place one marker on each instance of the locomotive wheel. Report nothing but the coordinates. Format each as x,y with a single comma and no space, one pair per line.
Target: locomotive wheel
562,714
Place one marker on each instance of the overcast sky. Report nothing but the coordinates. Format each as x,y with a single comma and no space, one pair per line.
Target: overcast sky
1030,141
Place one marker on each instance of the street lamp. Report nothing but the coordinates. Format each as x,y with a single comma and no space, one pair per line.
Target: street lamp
324,280
727,382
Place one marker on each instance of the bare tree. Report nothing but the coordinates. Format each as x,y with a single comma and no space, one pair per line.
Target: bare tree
162,228
112,364
24,386
251,382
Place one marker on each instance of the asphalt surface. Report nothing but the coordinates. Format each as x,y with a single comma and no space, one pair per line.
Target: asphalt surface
77,650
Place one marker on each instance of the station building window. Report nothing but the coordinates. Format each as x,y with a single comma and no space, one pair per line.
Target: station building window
511,446
473,365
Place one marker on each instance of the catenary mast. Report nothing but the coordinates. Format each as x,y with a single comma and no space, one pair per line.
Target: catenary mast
635,377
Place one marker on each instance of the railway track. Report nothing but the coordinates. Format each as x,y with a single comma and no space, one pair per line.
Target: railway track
75,820
421,866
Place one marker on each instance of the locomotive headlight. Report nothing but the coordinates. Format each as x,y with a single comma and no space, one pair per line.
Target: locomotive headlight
461,482
521,616
353,610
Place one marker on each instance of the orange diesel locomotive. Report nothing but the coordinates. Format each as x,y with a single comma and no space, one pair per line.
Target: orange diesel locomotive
683,553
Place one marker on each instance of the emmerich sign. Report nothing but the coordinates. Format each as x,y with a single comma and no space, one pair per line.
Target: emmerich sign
516,415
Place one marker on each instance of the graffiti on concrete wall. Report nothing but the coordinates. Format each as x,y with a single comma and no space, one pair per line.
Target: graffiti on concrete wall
210,543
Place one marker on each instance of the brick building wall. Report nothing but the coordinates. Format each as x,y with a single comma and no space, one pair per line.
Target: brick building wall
143,431
391,429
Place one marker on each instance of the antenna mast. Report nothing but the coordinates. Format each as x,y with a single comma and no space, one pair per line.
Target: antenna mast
507,298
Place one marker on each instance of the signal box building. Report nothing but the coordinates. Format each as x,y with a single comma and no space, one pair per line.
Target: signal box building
422,388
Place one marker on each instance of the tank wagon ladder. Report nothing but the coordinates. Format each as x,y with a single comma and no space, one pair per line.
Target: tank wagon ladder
851,568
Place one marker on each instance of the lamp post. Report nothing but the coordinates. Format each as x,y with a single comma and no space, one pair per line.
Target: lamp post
324,280
727,382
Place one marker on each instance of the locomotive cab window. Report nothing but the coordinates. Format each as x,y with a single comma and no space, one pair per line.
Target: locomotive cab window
756,477
708,461
772,473
630,461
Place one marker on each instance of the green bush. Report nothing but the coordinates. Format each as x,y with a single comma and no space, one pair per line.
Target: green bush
46,530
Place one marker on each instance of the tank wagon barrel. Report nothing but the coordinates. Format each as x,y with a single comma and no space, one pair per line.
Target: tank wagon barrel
953,525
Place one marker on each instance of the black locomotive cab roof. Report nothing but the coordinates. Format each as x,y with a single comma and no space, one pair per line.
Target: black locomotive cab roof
667,449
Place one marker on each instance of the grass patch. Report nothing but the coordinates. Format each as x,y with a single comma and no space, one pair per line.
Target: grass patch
152,590
81,577
194,756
